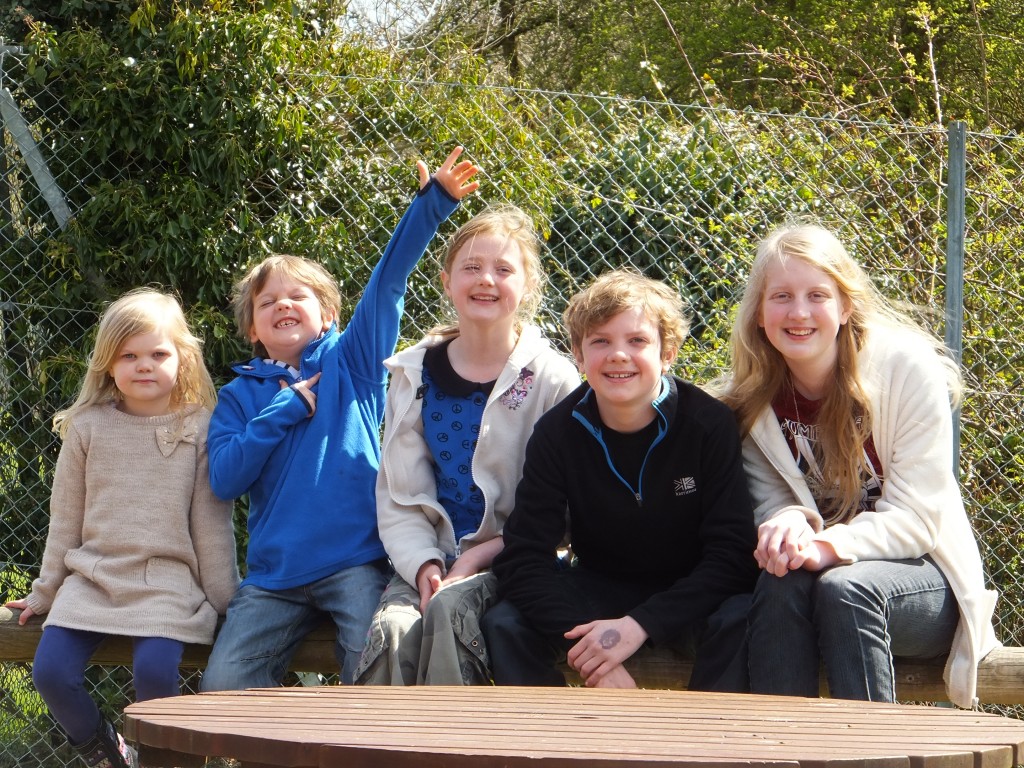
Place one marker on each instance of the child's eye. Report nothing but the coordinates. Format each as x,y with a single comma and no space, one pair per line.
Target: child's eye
128,356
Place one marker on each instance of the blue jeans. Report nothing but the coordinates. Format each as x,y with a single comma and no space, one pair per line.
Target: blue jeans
855,618
264,627
58,673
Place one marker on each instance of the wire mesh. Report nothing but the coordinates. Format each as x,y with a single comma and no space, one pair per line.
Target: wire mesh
683,193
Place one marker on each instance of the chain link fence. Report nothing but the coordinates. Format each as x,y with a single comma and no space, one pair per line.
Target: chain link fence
681,192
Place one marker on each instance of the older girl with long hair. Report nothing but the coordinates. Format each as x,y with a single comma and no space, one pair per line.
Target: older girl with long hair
864,544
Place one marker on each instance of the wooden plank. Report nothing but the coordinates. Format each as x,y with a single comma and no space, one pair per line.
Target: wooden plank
18,644
1000,675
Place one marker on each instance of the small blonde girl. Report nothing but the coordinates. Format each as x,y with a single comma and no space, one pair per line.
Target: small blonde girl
137,545
460,408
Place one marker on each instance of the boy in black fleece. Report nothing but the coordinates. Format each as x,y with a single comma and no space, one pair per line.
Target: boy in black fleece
649,469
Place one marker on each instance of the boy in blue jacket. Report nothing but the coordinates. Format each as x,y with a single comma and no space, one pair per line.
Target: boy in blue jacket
643,470
298,430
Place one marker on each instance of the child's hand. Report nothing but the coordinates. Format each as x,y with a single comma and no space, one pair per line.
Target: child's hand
603,645
816,556
26,612
617,678
473,561
454,179
428,581
305,389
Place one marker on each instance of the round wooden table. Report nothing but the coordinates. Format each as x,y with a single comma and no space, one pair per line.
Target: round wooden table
488,727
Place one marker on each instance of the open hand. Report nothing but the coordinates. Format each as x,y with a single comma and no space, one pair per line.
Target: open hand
454,178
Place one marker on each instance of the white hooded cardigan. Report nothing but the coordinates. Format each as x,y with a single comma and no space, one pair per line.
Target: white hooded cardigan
920,512
413,525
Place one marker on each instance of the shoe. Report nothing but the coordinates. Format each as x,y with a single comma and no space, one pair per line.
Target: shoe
107,749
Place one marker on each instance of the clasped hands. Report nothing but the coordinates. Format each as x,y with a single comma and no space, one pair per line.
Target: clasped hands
787,542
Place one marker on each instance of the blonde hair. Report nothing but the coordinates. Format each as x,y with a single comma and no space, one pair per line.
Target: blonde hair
622,289
143,310
297,268
759,371
512,223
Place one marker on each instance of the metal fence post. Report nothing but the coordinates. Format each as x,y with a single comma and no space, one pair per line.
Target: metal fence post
956,223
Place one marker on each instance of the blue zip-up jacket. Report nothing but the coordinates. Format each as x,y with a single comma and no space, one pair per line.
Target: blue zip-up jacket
312,510
686,533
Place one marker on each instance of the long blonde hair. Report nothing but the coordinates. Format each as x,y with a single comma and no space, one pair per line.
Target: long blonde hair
759,372
512,223
143,310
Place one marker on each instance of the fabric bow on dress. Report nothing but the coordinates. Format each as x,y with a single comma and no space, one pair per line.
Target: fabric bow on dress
168,436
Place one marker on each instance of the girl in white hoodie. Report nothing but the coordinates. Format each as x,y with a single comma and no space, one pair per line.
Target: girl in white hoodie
864,544
460,408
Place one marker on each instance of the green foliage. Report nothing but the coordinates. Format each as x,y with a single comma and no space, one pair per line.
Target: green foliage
929,61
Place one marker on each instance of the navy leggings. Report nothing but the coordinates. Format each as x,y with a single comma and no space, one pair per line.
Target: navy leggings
59,675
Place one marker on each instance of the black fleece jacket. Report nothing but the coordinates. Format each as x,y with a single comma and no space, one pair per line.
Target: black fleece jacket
687,532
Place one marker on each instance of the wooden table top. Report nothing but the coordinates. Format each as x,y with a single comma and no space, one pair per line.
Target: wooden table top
489,727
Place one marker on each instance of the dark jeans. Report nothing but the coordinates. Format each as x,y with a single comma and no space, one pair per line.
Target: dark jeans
855,618
521,654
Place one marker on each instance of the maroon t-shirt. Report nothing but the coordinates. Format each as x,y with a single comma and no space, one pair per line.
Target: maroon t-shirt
798,419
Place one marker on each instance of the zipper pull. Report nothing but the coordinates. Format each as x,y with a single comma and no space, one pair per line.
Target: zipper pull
639,499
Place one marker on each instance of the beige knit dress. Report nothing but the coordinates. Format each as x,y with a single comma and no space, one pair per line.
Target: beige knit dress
138,545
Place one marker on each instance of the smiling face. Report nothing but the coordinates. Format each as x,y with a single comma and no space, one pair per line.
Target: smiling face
802,310
623,362
144,371
286,316
486,280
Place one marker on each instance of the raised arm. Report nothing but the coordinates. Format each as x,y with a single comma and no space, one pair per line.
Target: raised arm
372,331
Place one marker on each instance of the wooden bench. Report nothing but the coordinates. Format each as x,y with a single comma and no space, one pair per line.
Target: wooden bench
1000,675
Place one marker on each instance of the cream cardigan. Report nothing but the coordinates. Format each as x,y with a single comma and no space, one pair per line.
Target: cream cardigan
920,510
138,545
